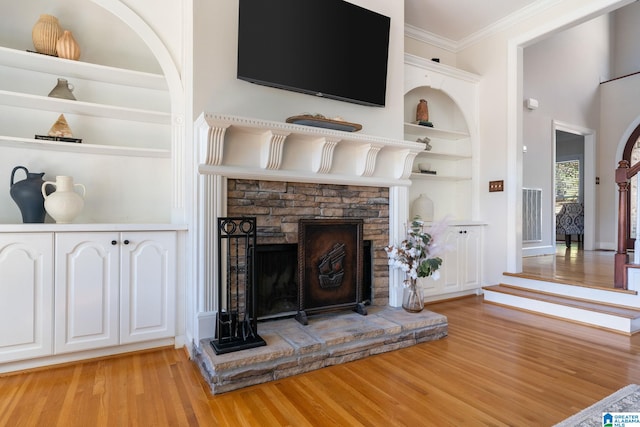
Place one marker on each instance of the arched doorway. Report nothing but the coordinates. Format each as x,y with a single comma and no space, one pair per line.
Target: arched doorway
631,153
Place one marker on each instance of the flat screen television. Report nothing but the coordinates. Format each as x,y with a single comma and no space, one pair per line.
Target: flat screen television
328,48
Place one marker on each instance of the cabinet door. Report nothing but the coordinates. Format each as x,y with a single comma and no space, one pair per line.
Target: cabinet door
470,266
148,286
86,298
26,295
451,261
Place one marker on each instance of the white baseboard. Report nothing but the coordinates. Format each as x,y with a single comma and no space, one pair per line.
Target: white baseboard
538,250
21,365
206,325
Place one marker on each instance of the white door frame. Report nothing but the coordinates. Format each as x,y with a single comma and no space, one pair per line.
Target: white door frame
589,179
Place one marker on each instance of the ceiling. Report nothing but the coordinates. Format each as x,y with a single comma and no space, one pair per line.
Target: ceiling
457,20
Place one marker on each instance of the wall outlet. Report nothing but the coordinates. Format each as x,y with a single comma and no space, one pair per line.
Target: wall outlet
496,186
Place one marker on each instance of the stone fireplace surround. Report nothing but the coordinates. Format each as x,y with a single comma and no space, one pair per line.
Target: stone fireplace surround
281,173
280,155
278,206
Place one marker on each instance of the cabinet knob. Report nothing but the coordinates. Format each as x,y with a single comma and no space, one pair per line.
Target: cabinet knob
126,242
114,242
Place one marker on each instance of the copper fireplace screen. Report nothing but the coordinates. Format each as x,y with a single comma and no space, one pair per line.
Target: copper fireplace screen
330,257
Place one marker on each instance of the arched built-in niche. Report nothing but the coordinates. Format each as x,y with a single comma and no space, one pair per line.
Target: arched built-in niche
452,99
176,93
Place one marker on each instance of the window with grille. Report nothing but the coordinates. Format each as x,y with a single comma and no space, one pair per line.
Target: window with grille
567,182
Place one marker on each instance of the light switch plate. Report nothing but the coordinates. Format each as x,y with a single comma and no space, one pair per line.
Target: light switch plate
496,186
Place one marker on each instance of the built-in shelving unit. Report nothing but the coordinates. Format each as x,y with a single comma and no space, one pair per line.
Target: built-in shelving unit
451,96
123,118
452,102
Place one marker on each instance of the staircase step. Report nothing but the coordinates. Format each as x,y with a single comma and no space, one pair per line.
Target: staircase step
615,310
609,316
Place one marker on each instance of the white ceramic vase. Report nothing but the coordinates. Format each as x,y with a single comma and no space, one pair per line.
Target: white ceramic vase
64,204
422,207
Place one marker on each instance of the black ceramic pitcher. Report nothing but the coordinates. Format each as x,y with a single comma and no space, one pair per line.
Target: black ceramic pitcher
28,195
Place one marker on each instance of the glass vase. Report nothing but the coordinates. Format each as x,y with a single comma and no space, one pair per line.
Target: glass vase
412,298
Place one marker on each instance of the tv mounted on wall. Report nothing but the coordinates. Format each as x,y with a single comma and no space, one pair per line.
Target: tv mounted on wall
328,48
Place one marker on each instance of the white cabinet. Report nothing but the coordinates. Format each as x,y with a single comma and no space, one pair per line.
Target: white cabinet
461,264
113,288
467,255
86,297
26,295
147,284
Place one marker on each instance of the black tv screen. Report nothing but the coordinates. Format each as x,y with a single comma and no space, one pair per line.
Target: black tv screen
328,48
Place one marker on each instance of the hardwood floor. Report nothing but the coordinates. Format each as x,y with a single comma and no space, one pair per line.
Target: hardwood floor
497,367
573,265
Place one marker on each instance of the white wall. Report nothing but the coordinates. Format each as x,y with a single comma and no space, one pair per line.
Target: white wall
424,50
626,48
103,38
567,88
620,115
495,58
217,89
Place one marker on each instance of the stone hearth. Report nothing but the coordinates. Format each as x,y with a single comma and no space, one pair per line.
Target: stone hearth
329,339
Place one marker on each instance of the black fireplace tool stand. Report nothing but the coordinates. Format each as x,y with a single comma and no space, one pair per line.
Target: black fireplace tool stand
236,320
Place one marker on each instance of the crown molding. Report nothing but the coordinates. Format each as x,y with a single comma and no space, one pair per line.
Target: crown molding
438,67
430,38
500,25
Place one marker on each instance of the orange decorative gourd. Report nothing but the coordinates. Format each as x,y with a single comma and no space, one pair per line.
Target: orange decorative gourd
67,46
45,34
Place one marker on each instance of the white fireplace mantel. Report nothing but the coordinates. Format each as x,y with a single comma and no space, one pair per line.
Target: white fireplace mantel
245,148
239,147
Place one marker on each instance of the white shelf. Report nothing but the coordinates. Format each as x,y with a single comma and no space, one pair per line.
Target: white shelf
418,130
8,141
442,156
429,177
78,69
46,103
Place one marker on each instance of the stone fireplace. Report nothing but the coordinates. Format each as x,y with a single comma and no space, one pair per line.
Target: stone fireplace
281,173
279,207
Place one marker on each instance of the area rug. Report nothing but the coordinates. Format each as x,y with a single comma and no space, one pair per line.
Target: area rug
626,399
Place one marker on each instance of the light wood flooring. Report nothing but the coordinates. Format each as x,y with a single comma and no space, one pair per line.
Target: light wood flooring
498,367
573,265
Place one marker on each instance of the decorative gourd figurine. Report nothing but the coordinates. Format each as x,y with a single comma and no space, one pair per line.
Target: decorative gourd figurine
65,203
45,34
67,47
